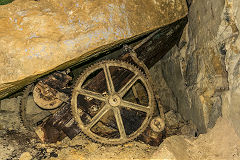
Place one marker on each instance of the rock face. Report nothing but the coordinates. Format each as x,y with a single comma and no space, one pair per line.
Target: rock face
202,73
231,105
39,36
9,114
25,156
221,142
173,148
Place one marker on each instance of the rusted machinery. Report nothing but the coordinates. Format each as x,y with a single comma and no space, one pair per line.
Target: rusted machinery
111,102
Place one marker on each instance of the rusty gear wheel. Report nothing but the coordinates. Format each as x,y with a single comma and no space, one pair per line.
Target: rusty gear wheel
44,97
31,115
112,102
49,92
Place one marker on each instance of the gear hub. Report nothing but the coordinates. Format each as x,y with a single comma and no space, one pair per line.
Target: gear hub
114,100
124,100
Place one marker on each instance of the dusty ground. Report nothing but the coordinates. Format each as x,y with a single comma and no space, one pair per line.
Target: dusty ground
14,145
220,143
78,148
16,142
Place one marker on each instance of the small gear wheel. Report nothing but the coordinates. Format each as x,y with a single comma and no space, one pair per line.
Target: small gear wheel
31,114
41,100
113,102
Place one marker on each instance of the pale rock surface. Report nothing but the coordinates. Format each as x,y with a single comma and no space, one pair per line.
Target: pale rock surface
37,37
10,104
221,142
168,100
5,150
25,156
9,114
231,105
173,148
203,71
171,119
175,125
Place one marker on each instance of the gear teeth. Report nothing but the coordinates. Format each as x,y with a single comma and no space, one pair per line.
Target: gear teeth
22,109
99,65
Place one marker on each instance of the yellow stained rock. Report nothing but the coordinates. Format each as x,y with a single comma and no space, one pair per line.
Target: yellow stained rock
37,37
25,156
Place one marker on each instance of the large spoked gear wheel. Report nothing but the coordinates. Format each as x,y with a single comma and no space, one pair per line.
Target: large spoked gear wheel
112,102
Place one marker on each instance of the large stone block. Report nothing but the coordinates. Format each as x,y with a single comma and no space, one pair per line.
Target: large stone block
230,33
174,148
196,72
37,37
168,100
221,142
204,20
196,79
231,98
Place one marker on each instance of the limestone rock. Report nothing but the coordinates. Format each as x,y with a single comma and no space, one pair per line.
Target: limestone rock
204,20
171,119
40,36
221,142
175,125
10,104
168,100
9,114
203,71
186,130
231,107
196,70
25,156
5,150
174,148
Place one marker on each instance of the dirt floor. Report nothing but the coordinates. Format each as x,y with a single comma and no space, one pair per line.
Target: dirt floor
220,143
17,142
15,145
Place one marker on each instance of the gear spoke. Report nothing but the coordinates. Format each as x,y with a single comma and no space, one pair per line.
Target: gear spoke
108,79
120,125
105,126
98,116
135,106
127,86
92,94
